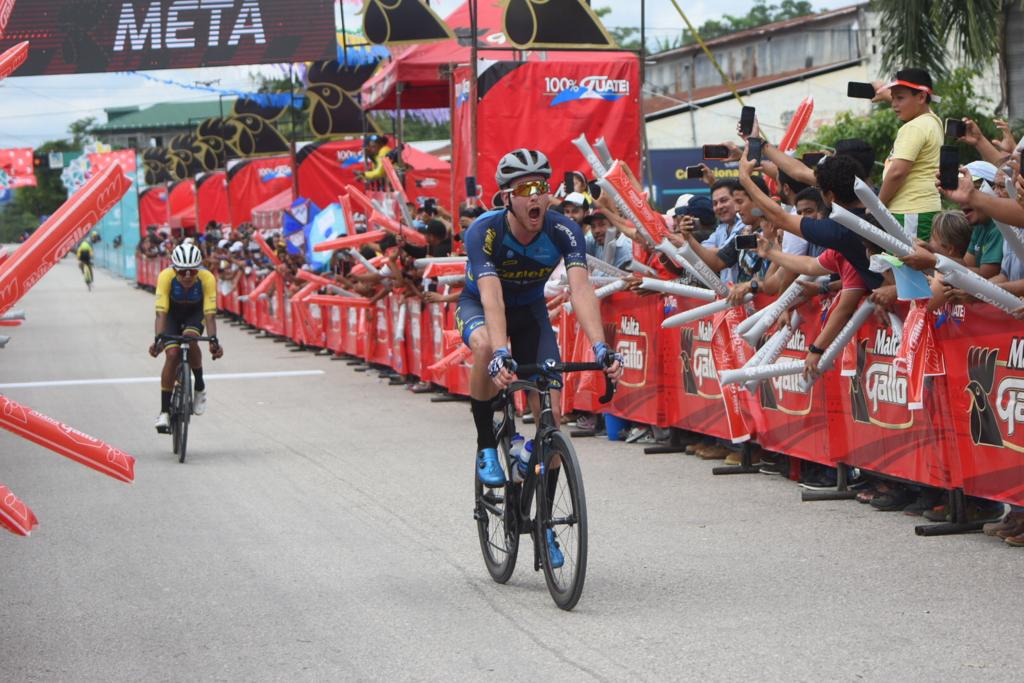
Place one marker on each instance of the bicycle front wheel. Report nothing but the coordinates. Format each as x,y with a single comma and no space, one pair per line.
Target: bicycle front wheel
185,416
564,512
495,515
176,419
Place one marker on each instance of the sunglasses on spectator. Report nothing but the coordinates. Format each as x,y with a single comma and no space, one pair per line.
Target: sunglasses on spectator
531,188
187,272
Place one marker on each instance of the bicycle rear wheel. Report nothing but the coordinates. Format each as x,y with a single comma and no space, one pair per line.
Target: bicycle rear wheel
88,276
185,416
566,515
495,523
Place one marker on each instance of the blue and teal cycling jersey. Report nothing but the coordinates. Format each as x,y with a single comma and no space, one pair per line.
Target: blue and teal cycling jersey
522,268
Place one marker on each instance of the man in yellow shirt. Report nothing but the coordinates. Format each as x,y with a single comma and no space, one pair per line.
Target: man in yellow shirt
375,148
186,296
908,183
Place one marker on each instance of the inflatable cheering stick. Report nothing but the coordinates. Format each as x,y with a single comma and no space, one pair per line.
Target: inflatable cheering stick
66,441
61,231
15,516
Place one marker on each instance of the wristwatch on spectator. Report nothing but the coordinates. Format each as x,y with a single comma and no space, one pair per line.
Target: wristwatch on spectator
811,348
754,287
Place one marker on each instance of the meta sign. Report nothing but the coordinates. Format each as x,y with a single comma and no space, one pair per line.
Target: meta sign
83,36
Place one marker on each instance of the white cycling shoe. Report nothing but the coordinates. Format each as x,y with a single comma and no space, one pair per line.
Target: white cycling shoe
163,423
199,402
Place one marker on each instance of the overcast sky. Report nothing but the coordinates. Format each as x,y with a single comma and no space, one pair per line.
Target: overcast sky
40,108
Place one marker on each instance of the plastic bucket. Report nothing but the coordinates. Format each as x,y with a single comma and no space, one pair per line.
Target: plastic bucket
615,426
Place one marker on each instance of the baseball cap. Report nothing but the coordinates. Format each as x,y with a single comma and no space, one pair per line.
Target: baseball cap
699,207
223,244
575,198
915,79
237,246
982,170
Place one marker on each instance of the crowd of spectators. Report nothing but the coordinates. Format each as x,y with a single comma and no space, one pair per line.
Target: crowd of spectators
782,206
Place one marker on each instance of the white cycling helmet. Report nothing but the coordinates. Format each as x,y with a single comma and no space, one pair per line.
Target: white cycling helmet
186,256
520,163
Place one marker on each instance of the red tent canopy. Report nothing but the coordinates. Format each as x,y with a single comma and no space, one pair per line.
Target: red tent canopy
420,67
212,199
182,201
153,208
268,215
253,181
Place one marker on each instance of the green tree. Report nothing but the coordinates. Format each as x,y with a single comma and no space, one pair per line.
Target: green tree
627,37
917,32
29,204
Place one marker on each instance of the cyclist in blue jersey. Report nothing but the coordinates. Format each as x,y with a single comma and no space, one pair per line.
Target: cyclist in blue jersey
512,253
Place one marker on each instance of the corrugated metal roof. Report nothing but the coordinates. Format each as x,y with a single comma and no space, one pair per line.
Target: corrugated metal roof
165,115
804,23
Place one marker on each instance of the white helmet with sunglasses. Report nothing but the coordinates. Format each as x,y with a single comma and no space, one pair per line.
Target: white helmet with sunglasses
186,256
520,163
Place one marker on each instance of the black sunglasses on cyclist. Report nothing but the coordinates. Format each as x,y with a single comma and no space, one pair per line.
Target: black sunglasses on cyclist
186,272
528,189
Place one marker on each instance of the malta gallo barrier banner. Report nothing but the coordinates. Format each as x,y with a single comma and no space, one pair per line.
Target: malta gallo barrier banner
933,398
15,516
71,37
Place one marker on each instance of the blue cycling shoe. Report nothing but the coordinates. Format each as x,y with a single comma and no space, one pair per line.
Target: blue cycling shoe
555,557
488,469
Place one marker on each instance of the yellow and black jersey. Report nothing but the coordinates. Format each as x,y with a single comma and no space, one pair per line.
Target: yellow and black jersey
171,294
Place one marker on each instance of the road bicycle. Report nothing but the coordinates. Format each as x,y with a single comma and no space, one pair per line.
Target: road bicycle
181,397
551,496
87,275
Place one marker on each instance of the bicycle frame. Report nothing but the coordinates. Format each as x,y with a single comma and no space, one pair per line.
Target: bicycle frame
540,464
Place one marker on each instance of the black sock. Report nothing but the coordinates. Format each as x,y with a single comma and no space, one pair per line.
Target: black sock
165,401
483,416
198,374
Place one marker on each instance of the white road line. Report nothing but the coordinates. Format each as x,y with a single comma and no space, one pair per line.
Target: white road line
143,380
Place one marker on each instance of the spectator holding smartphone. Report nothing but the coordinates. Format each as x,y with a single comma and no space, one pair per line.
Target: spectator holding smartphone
908,183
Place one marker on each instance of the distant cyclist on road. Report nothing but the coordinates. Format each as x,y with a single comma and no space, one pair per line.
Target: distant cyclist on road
186,295
512,253
84,253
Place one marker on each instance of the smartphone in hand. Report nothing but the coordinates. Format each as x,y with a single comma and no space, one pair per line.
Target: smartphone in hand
949,167
864,91
471,190
755,146
747,120
955,128
746,241
694,172
716,152
569,182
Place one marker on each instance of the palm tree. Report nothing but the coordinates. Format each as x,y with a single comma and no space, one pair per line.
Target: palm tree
917,33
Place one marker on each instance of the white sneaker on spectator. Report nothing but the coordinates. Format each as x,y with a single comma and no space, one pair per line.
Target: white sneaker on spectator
199,402
163,423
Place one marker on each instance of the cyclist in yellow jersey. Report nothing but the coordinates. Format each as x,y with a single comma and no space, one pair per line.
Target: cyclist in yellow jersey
186,296
84,253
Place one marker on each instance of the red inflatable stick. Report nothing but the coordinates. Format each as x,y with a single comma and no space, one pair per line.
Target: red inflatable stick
264,287
4,254
452,359
313,278
13,58
351,241
797,125
650,221
15,516
346,208
391,225
376,262
365,203
6,7
436,270
64,440
392,174
332,300
61,231
265,248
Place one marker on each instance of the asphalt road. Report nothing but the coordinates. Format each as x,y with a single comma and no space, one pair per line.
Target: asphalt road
321,530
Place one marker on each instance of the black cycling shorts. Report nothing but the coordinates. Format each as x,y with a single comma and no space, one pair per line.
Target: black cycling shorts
182,322
529,329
